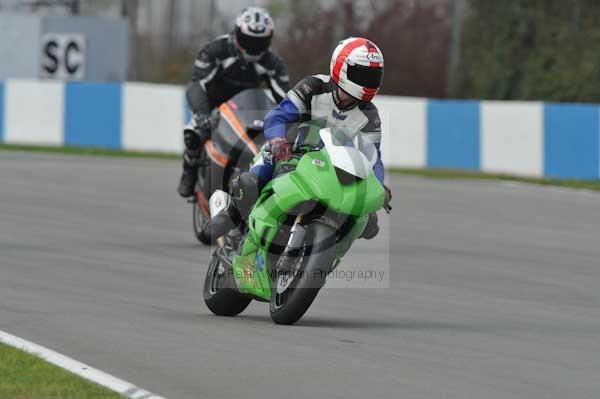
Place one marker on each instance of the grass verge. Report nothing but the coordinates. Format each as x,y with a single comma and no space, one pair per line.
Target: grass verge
25,376
461,174
104,152
431,173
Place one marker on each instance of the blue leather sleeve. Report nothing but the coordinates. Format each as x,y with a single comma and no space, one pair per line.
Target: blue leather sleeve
378,168
276,120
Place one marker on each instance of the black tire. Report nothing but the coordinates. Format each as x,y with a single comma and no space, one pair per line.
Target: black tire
220,293
317,259
202,220
201,227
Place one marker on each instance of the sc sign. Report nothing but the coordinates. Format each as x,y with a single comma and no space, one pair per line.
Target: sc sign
63,56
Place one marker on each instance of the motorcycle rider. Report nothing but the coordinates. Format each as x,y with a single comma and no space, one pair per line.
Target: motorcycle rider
230,64
341,99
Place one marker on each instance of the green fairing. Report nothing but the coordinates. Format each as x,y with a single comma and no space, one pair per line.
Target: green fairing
250,280
313,179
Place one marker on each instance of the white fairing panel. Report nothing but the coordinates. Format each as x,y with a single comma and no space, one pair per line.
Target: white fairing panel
218,201
346,155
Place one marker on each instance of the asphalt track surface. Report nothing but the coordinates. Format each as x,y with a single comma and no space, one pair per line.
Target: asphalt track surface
494,293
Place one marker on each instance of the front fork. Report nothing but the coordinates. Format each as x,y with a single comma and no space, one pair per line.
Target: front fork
293,247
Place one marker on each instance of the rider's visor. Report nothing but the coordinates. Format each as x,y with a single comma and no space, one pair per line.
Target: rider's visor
253,45
365,76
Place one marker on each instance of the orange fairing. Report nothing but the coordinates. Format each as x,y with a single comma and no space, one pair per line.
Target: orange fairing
217,156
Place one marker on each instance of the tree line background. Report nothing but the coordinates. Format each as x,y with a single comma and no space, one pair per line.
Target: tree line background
488,49
531,50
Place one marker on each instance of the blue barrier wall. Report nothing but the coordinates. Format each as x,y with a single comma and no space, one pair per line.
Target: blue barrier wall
1,112
453,134
571,141
536,139
93,115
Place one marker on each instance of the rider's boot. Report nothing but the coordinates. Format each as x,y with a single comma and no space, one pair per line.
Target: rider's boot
193,140
244,193
189,175
224,221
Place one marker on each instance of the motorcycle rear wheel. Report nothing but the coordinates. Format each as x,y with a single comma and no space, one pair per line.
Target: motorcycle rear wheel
220,293
291,299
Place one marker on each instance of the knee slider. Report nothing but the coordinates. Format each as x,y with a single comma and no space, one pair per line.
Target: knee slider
372,228
244,190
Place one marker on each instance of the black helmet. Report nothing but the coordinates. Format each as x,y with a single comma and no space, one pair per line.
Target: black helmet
254,32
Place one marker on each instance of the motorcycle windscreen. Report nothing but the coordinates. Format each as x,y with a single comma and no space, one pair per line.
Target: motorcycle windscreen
349,152
251,106
238,133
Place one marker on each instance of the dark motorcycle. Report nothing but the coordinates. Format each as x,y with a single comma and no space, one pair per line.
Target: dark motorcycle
235,142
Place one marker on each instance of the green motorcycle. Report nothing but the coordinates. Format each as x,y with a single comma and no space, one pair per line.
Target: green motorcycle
303,223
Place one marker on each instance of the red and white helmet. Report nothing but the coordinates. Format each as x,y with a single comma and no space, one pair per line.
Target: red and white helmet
357,67
254,32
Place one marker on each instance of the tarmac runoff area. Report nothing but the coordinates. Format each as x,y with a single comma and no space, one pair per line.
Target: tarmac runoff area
492,290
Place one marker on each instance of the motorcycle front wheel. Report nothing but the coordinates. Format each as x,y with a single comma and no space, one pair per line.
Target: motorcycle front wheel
201,214
293,293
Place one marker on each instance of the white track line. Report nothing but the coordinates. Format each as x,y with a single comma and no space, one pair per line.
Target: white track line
83,370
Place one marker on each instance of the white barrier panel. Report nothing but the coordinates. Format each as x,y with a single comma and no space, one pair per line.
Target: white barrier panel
152,117
512,137
404,125
33,112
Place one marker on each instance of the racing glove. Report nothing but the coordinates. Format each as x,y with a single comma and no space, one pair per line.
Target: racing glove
388,199
281,149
